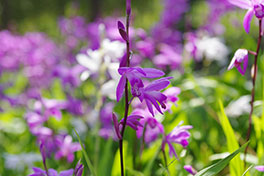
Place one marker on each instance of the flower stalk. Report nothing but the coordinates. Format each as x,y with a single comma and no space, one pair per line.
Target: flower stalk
254,76
128,12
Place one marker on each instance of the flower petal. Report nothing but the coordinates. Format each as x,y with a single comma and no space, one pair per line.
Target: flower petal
153,73
247,19
157,85
259,168
244,4
120,88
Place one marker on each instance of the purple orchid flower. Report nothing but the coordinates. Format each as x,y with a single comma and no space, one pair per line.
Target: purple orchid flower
67,148
241,55
190,169
151,94
78,169
132,121
52,172
259,168
253,6
153,128
134,75
178,135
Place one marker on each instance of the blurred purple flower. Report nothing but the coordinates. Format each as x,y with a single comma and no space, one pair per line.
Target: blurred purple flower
259,168
190,169
153,128
178,135
67,148
241,56
106,130
52,172
254,7
146,47
168,57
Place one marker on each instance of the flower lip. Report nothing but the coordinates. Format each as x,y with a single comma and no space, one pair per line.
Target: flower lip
241,55
259,10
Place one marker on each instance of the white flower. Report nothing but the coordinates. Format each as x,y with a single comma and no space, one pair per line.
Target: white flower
109,88
93,60
213,49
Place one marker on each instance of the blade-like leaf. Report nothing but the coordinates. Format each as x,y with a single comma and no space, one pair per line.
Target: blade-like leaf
236,165
220,165
88,161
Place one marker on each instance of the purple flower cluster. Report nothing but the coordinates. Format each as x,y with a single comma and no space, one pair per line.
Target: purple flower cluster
61,145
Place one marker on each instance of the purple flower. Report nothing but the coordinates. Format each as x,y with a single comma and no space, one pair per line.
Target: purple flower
241,56
178,135
168,57
52,172
78,169
254,7
67,148
132,121
134,75
190,169
153,128
259,168
116,126
151,94
122,30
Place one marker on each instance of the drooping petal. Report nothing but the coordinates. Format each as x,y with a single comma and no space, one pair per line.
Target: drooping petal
150,108
172,150
153,101
120,88
244,4
245,65
247,20
116,126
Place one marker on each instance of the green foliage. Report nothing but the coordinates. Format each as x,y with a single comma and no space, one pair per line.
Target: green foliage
220,165
236,165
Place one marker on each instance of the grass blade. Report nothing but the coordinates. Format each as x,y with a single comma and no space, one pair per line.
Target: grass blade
88,161
220,165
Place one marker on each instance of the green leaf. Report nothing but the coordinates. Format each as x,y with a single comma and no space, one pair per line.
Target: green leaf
220,165
116,170
88,161
236,165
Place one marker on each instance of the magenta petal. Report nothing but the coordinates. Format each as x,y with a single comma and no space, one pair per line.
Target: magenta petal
259,168
116,126
153,73
190,169
157,85
172,150
247,19
120,88
244,4
150,108
153,101
245,64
